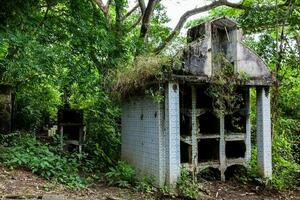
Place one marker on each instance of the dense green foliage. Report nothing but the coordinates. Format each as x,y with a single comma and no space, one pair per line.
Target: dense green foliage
57,52
23,150
52,49
122,175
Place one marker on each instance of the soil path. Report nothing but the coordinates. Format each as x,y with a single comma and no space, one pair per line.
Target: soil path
20,184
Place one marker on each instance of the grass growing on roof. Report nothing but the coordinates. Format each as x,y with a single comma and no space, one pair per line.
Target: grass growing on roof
139,72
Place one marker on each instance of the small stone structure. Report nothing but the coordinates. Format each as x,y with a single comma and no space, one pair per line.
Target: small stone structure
71,128
159,138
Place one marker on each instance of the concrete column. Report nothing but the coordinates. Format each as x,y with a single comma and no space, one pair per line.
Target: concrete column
222,154
248,127
194,130
172,125
263,132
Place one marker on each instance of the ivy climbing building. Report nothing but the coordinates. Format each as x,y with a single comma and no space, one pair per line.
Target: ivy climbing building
203,119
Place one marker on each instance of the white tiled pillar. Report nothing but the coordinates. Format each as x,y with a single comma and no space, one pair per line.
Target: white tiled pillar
263,132
172,125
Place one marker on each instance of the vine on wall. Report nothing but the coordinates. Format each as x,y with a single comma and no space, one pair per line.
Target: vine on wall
223,88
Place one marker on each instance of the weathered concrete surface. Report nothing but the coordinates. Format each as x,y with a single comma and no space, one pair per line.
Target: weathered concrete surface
221,37
263,132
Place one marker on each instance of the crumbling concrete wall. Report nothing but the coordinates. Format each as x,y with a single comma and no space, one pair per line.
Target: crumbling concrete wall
210,41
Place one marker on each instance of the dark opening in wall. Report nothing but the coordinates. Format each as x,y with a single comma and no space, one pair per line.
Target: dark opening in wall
185,153
70,116
235,149
242,92
235,123
195,33
185,97
208,150
209,174
71,132
203,100
209,123
234,172
185,125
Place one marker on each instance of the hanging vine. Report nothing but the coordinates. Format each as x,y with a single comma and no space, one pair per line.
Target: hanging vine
223,87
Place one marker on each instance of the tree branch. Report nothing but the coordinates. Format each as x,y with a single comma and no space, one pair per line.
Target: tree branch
108,4
142,6
190,13
105,9
102,6
146,18
135,23
130,12
195,11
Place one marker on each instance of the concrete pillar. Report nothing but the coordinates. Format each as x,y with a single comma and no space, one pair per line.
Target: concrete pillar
172,125
194,130
248,127
222,148
263,132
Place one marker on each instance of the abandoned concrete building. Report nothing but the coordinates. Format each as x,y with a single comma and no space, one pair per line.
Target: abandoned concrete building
183,130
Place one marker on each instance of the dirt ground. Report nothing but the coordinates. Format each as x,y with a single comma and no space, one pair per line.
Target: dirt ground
20,184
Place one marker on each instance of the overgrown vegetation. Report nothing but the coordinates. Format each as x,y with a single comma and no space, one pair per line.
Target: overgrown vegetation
286,171
186,185
122,175
223,89
24,151
136,75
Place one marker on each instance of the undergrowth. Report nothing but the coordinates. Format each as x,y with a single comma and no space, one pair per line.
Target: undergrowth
23,150
286,171
121,175
186,186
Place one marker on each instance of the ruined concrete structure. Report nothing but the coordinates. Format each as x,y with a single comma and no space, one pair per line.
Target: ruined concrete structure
183,130
71,128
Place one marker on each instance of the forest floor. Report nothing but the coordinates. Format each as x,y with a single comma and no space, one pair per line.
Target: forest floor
20,184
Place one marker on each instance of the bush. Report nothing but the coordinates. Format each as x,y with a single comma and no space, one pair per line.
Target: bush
286,172
186,186
27,152
146,185
122,175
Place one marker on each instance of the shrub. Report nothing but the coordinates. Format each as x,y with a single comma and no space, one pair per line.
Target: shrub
121,175
27,152
186,186
146,185
286,172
